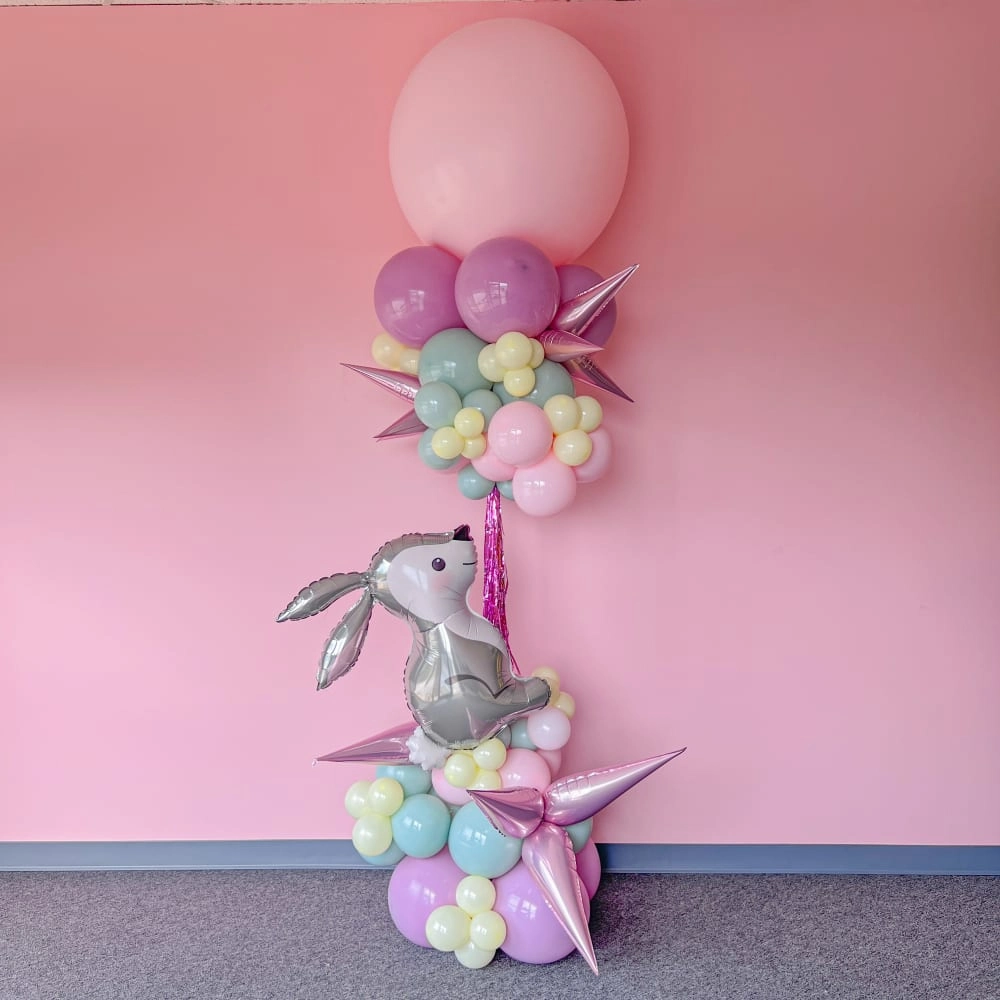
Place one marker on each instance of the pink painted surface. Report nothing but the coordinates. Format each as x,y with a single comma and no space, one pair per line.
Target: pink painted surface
795,568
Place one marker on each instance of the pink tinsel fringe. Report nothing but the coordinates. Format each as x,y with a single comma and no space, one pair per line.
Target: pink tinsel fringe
495,571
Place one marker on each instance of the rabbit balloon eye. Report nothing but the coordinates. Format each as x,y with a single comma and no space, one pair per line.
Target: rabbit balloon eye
438,564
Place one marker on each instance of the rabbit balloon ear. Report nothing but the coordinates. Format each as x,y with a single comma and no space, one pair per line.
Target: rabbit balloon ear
344,645
320,595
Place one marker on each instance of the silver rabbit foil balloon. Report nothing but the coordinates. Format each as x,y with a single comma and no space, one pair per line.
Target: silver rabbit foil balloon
458,679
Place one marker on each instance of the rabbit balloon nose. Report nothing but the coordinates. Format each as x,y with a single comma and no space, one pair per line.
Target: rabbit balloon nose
461,534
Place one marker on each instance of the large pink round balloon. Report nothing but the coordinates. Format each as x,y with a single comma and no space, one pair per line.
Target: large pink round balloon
509,127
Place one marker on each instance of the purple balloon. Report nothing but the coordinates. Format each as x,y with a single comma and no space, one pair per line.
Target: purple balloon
415,294
575,278
418,886
506,284
534,934
588,867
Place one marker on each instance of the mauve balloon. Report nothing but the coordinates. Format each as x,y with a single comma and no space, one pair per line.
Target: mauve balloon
415,294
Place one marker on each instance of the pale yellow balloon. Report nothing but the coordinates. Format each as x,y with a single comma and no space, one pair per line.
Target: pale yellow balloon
490,754
551,678
469,422
489,367
385,796
474,957
372,835
475,447
447,928
356,799
487,781
386,350
409,360
475,894
566,704
513,350
519,381
573,447
460,770
447,443
591,413
537,353
488,930
563,413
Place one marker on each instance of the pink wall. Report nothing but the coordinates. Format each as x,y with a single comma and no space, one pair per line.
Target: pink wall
796,566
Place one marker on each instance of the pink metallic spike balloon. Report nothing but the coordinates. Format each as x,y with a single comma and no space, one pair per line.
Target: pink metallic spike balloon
562,346
548,855
515,812
579,796
398,383
388,747
586,370
408,425
577,313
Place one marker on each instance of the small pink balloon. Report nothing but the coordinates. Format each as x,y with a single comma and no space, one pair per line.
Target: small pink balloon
524,769
444,789
588,867
520,433
553,758
418,886
534,934
545,488
600,458
548,728
490,466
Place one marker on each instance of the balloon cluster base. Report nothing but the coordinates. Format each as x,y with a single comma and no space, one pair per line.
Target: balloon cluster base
493,850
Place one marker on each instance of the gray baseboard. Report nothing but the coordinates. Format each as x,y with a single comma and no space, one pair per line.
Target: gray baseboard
842,859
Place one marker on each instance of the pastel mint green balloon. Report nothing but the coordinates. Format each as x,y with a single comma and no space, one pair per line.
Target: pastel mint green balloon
579,833
551,379
519,737
477,847
472,485
436,404
452,356
420,826
427,455
415,780
506,489
390,857
484,400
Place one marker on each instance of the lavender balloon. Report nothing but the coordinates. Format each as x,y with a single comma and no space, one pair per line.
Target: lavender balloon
415,294
506,284
419,886
575,278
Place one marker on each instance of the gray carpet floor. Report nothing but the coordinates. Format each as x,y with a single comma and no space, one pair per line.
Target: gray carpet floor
327,935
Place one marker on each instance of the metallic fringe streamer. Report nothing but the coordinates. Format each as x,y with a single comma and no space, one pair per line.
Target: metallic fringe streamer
495,571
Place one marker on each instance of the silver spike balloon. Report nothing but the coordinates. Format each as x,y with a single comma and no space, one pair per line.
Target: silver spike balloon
586,370
577,313
398,383
408,425
562,346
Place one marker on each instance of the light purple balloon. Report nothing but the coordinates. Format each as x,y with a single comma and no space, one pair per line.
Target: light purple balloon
534,934
588,866
575,278
418,886
415,294
506,284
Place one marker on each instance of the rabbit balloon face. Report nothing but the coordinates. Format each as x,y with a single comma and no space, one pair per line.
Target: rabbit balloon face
458,681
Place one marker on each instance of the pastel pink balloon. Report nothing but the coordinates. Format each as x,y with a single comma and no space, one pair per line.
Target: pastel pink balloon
534,934
444,789
509,127
520,433
490,466
417,887
600,458
545,488
548,728
553,758
525,769
588,867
